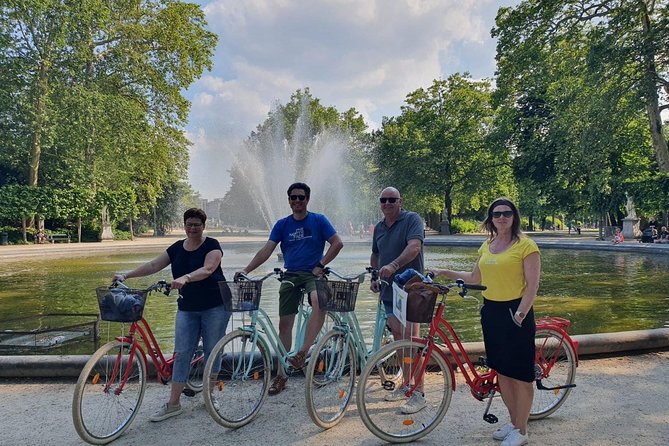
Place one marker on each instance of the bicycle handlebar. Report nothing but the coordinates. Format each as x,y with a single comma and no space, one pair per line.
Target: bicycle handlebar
161,285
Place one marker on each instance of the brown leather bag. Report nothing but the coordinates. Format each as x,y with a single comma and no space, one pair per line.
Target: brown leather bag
420,301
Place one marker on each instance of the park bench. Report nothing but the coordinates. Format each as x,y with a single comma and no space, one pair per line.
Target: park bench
53,238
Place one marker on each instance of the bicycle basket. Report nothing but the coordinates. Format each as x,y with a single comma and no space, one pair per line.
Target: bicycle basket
241,296
337,295
121,304
420,303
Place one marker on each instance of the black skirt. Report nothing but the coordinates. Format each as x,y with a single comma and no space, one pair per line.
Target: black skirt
509,348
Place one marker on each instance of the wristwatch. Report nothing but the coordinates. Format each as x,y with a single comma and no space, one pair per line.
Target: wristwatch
320,265
521,314
189,277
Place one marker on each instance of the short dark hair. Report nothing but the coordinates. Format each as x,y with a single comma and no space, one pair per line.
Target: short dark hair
195,213
307,189
489,226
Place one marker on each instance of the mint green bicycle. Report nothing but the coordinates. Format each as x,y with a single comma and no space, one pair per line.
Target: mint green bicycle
341,352
234,395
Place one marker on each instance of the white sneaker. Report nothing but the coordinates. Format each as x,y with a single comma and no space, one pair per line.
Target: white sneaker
415,404
501,433
166,412
515,438
400,393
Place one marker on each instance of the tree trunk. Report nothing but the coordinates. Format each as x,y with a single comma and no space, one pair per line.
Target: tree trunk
652,103
132,234
79,229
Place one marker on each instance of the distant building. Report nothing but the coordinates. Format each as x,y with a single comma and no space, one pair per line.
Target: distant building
213,210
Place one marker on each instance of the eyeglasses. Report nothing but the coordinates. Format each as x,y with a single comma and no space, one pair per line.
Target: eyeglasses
298,197
390,200
193,225
497,214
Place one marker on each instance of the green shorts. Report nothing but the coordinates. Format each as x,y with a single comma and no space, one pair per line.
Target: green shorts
290,291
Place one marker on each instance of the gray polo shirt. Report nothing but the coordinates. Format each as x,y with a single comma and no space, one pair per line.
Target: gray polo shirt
389,242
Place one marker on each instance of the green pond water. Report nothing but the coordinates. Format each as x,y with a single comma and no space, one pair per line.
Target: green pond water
598,291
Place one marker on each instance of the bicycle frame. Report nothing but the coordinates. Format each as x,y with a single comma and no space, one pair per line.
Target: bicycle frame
349,324
482,384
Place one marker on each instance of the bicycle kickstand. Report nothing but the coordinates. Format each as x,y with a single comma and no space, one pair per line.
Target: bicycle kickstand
488,417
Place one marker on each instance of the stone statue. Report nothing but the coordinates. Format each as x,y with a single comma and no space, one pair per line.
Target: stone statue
631,212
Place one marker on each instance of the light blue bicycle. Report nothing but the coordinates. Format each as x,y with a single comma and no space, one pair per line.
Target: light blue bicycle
342,351
234,396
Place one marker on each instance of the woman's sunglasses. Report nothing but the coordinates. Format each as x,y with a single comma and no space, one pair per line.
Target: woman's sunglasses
497,214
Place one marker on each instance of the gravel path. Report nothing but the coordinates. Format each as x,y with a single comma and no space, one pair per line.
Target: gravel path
618,401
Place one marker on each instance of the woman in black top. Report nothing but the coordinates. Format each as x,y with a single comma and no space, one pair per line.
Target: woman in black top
196,269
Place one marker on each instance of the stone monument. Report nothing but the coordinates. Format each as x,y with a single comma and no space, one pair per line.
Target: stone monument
445,225
106,233
631,222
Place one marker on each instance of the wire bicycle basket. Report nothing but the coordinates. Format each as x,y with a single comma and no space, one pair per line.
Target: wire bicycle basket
337,295
243,295
118,304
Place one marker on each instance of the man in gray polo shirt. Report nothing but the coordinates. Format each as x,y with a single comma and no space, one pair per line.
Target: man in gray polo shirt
397,245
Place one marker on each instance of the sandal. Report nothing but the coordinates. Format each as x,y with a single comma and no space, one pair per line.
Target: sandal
297,361
278,385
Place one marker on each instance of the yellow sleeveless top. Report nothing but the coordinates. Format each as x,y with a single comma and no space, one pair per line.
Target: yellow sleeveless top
503,273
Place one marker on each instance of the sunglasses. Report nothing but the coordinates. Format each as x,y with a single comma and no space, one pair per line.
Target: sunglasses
497,214
385,200
298,197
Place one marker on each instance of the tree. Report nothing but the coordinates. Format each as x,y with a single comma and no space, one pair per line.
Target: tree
96,89
628,39
436,151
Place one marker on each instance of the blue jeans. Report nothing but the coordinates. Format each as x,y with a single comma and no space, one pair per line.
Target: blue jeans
189,324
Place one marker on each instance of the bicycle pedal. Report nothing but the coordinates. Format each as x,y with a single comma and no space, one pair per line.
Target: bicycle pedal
388,385
490,418
188,392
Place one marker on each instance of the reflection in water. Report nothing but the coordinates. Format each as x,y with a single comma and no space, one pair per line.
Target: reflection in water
599,291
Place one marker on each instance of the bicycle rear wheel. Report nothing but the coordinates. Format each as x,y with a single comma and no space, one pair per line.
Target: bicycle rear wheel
555,366
383,415
196,372
108,393
235,394
330,378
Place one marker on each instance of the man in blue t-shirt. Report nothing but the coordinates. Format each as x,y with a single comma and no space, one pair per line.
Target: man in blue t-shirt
302,236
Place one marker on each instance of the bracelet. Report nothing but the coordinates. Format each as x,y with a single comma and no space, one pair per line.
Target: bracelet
395,265
189,277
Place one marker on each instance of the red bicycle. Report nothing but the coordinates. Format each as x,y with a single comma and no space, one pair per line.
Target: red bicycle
111,386
431,373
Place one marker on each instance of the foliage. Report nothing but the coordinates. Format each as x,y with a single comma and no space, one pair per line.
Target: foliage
459,226
91,100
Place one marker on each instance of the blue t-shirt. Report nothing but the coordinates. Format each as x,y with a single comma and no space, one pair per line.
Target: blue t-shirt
302,241
200,295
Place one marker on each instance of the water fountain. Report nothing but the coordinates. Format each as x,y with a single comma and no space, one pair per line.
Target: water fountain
272,160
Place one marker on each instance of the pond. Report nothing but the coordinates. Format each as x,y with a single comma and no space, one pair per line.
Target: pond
598,291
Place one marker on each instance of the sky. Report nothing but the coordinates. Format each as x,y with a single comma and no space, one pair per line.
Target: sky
366,54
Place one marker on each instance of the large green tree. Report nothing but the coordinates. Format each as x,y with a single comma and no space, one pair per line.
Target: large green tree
96,93
437,153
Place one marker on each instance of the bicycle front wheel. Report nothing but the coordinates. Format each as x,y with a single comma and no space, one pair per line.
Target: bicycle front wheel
555,367
108,393
387,410
388,370
330,379
235,394
196,372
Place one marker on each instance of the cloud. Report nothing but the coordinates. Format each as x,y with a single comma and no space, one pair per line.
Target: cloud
367,54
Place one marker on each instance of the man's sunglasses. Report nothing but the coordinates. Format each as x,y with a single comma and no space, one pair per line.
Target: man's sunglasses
497,214
391,200
298,197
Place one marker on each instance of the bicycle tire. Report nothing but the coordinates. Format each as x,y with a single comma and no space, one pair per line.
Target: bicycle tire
384,418
556,366
330,378
234,395
99,412
196,371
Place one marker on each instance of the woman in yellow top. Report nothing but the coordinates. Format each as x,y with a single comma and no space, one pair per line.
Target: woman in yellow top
509,266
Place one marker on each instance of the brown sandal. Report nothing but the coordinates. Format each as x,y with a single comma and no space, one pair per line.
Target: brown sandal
297,361
278,385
